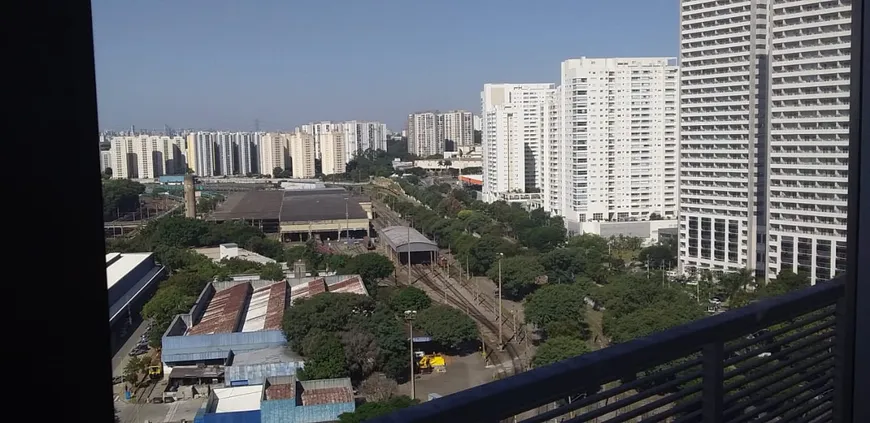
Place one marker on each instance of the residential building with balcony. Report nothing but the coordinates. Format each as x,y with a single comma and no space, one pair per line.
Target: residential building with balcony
146,156
763,182
457,126
301,146
512,136
610,141
809,137
333,153
724,51
424,137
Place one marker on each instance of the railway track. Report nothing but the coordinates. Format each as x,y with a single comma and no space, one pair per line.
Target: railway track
489,329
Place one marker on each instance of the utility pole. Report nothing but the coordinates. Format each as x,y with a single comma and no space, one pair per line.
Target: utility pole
500,339
408,246
346,221
410,315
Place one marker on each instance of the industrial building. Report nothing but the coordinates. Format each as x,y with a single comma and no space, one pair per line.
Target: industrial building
235,321
299,215
232,250
399,240
280,399
131,280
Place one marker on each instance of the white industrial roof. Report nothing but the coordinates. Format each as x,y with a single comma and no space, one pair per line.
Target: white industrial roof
238,398
255,318
120,267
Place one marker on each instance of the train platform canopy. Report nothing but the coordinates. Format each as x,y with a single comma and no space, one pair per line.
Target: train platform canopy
401,240
292,206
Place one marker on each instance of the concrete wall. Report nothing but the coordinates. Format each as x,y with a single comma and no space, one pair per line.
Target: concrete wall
648,230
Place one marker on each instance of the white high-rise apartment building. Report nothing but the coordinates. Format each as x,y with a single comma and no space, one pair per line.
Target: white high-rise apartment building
302,154
273,152
458,127
610,147
248,144
723,60
333,153
225,153
512,133
764,136
424,138
359,136
146,156
809,137
201,153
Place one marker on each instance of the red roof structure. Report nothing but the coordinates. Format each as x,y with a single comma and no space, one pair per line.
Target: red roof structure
277,303
223,312
327,396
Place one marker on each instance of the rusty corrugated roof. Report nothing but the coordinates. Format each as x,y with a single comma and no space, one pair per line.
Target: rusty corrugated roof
316,286
275,309
327,396
223,312
282,391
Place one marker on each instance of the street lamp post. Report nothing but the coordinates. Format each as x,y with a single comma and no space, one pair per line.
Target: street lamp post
346,221
500,323
408,246
410,315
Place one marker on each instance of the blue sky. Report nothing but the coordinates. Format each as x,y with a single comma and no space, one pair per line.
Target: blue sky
224,63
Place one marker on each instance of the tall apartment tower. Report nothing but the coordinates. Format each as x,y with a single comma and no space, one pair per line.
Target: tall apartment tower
302,154
764,136
617,158
512,136
723,107
273,152
201,153
424,138
809,137
145,156
333,153
458,127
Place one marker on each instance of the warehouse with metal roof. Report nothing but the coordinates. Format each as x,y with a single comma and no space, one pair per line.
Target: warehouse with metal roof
399,240
131,279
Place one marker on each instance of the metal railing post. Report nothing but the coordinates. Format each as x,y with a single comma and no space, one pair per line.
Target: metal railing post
713,380
842,396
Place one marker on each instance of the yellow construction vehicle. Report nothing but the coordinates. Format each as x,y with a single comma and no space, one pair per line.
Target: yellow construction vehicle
431,362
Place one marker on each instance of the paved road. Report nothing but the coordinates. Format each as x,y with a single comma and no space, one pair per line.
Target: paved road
120,359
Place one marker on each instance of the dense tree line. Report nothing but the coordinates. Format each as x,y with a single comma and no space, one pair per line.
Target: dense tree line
120,196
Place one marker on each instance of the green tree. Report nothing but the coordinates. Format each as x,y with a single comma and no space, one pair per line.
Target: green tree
371,410
409,298
325,358
120,196
557,349
558,308
372,267
447,326
518,275
272,272
327,312
656,256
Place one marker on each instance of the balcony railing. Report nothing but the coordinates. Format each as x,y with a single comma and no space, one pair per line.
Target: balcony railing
774,360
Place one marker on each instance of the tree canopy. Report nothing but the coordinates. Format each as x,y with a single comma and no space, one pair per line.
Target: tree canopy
558,308
120,196
409,298
557,349
518,275
371,410
447,326
372,267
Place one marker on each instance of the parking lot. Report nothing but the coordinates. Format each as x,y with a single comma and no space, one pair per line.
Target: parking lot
123,355
463,372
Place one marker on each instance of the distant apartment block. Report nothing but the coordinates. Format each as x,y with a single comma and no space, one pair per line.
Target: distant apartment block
146,156
333,153
273,152
429,132
357,136
512,135
301,146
